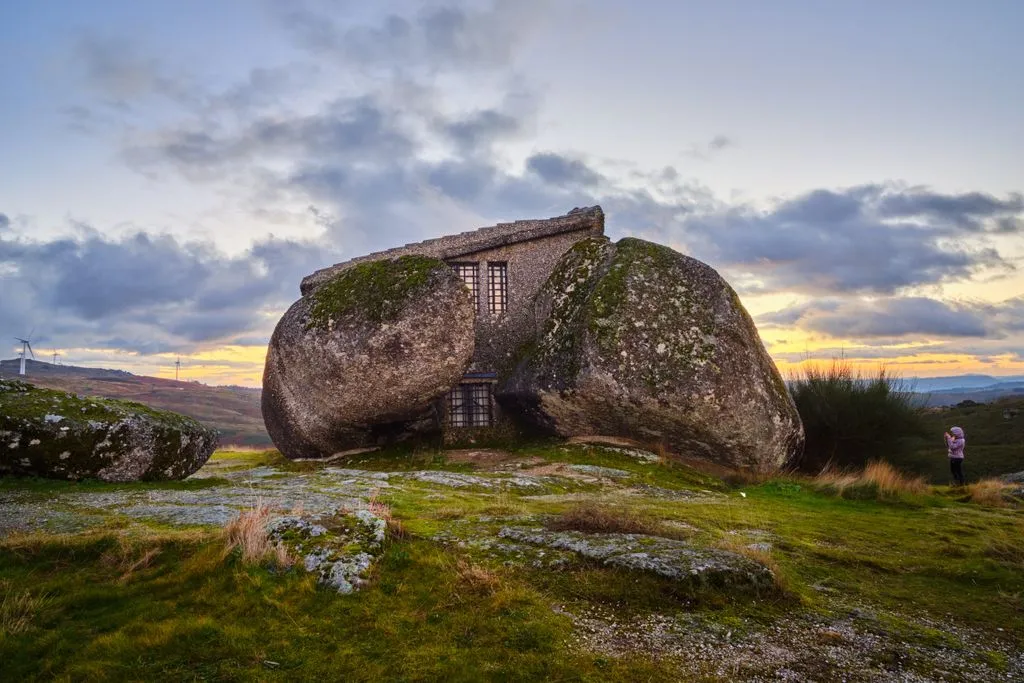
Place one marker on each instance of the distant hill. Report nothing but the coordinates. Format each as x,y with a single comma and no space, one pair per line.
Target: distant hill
925,385
995,440
984,393
234,411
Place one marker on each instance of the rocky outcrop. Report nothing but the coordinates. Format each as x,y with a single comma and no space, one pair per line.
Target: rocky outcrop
643,342
53,434
361,360
669,558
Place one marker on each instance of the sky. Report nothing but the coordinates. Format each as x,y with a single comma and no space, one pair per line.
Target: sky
169,171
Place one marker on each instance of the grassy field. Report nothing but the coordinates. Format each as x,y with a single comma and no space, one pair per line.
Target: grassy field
919,583
995,441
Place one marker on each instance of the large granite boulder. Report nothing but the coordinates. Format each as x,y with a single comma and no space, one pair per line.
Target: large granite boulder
54,434
361,360
643,342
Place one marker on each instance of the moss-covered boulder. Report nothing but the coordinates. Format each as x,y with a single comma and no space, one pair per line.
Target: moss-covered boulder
643,342
54,434
362,359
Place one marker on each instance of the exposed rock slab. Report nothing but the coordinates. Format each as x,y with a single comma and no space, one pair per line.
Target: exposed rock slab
665,557
361,359
341,558
645,343
54,434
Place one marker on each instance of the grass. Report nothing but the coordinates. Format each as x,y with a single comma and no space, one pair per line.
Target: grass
18,609
595,518
990,492
995,442
149,603
878,480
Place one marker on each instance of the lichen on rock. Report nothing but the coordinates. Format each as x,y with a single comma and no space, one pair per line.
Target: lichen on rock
361,360
643,342
55,434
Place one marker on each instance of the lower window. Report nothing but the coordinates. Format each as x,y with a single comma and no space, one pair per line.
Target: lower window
469,405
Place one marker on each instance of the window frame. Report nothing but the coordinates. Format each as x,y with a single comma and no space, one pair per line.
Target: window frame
470,404
497,288
464,268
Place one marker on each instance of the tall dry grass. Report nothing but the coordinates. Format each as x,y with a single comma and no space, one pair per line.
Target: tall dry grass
989,492
247,533
877,477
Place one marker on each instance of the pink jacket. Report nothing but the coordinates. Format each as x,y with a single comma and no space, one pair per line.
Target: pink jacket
956,443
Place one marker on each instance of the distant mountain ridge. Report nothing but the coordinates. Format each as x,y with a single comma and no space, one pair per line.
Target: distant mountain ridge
960,382
234,411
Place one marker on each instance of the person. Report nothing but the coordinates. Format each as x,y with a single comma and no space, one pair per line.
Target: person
955,443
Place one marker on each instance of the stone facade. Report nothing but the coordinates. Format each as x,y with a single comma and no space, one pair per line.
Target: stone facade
521,255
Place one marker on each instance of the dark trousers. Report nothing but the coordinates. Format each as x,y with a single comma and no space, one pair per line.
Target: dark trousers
956,466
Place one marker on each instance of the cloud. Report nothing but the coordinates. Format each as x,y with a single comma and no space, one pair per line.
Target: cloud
562,171
398,126
720,142
973,211
902,317
433,38
711,147
5,222
854,240
148,293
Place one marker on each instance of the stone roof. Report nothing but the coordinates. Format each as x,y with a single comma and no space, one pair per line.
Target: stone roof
465,243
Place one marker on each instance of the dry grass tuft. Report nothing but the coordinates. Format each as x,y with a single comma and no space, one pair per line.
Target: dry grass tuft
129,557
477,578
885,479
761,556
17,611
891,481
378,508
593,518
989,492
248,534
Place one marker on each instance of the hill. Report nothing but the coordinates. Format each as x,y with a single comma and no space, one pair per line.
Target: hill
995,440
982,393
234,411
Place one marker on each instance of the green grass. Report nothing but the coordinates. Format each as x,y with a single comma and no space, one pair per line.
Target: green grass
148,603
995,444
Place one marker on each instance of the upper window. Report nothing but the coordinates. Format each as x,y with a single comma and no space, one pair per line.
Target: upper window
497,287
470,274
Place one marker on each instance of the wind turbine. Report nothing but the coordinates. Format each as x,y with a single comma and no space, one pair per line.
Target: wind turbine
56,355
25,345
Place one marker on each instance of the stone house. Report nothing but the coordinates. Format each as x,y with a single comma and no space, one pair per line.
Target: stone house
504,266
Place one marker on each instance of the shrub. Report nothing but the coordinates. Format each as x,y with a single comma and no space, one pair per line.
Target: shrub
849,419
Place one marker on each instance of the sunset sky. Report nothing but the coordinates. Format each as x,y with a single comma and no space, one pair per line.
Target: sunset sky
169,171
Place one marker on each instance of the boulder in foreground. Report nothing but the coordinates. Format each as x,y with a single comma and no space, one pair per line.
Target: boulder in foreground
54,434
361,360
646,343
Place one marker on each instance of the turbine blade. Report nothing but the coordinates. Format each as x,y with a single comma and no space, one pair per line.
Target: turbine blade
30,349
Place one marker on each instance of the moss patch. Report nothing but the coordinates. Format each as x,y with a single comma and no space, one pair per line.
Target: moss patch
376,290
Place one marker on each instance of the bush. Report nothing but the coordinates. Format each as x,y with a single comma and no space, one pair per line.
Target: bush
849,419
